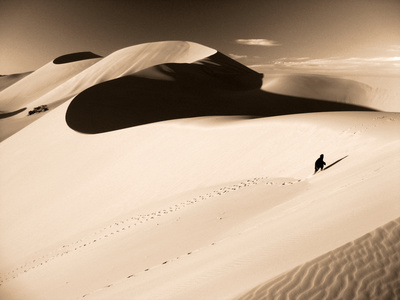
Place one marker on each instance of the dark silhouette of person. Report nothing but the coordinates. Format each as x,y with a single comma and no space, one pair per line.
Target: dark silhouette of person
319,163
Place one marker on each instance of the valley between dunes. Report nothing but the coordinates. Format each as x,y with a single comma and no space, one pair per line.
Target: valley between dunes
170,171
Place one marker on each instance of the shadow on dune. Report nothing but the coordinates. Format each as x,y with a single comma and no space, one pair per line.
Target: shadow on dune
215,86
332,164
72,57
11,114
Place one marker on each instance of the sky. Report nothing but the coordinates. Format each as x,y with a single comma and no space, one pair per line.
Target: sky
301,35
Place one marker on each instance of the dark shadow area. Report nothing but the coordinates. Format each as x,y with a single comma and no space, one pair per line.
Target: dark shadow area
74,57
10,114
215,86
335,162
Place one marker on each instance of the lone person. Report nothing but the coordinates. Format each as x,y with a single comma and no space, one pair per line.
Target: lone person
319,163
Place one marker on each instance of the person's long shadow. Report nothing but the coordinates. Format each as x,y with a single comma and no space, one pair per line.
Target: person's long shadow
332,164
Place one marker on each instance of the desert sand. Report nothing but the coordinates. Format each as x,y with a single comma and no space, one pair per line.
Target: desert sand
170,171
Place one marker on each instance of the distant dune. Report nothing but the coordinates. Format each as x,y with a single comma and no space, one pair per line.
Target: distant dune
331,88
8,80
39,83
170,171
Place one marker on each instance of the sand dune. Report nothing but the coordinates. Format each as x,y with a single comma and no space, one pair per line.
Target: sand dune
205,87
8,80
216,86
75,220
45,87
26,93
39,83
319,87
367,268
202,201
344,90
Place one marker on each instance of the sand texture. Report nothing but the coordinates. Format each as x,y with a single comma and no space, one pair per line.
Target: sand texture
367,268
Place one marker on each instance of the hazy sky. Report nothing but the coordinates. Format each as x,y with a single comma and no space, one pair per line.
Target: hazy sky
283,34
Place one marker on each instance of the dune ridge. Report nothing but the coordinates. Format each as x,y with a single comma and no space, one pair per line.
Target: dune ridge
367,268
8,80
40,82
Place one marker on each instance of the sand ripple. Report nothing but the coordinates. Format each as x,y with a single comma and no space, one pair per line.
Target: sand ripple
367,268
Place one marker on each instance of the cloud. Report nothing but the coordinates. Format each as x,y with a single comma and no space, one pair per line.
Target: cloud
394,48
258,42
236,56
371,65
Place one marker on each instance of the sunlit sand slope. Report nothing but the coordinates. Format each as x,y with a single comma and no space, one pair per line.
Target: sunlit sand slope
334,89
37,84
8,80
367,268
201,208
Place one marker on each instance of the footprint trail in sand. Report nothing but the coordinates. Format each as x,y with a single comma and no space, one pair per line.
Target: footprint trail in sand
131,222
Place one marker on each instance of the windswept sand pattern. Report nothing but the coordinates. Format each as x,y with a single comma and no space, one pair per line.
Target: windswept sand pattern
367,268
131,222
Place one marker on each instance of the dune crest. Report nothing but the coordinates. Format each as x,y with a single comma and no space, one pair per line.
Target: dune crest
8,80
37,84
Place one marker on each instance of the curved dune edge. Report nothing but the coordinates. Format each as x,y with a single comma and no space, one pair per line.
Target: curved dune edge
216,86
72,57
10,114
9,80
366,268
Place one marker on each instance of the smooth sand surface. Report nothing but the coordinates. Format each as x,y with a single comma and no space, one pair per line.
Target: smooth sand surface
380,93
8,80
205,207
39,83
92,210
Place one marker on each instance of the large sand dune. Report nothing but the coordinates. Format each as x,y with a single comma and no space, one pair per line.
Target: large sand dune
206,207
53,84
216,86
